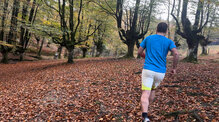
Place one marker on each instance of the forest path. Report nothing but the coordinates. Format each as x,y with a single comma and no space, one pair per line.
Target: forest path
103,89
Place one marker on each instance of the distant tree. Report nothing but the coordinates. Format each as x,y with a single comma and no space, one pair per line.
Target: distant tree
205,41
131,23
38,38
59,51
135,27
68,30
99,39
84,47
86,30
25,32
191,32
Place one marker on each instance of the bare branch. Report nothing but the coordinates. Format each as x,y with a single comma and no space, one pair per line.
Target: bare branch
201,27
110,7
149,19
50,6
87,37
122,35
197,15
94,30
79,14
177,22
113,13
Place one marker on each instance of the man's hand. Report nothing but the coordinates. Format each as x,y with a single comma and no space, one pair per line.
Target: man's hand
141,52
173,71
175,60
143,55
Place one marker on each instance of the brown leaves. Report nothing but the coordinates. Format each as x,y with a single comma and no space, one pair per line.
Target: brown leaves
102,90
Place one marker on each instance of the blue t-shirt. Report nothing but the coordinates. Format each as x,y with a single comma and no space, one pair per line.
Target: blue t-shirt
157,48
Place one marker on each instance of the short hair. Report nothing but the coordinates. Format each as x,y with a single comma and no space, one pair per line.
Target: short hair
162,27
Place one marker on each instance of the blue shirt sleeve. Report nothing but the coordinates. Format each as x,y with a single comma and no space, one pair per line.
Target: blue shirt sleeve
172,45
143,43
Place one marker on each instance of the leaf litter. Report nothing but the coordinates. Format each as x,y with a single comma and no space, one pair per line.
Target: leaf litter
105,89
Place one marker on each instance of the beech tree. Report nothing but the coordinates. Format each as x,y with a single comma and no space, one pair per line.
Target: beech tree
11,38
99,39
86,29
131,23
192,32
206,40
135,28
25,33
68,30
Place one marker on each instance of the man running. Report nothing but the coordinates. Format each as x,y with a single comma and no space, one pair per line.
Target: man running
156,50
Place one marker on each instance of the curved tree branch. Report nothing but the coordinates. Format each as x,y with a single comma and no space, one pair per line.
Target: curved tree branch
113,13
201,27
50,6
79,14
149,20
177,22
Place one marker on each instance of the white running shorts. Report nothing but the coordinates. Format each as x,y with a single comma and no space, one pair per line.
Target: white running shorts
151,79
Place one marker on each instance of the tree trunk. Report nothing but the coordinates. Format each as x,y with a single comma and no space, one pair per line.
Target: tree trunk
3,51
70,55
13,30
25,34
4,57
130,50
22,33
193,51
84,50
41,47
60,52
93,50
98,53
116,52
84,54
66,53
204,50
13,27
21,56
3,20
38,41
99,49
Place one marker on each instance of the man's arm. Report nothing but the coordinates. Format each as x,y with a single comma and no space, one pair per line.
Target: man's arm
141,52
175,59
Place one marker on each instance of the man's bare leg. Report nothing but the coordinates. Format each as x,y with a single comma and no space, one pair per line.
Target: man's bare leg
145,100
145,103
152,96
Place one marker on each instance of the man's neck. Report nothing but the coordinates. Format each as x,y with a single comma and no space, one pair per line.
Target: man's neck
162,34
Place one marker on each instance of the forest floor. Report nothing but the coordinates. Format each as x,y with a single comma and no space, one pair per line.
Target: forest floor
106,89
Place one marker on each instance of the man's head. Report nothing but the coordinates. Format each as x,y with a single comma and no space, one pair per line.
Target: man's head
162,27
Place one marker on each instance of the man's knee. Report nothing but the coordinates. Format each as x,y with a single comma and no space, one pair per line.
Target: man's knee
145,95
